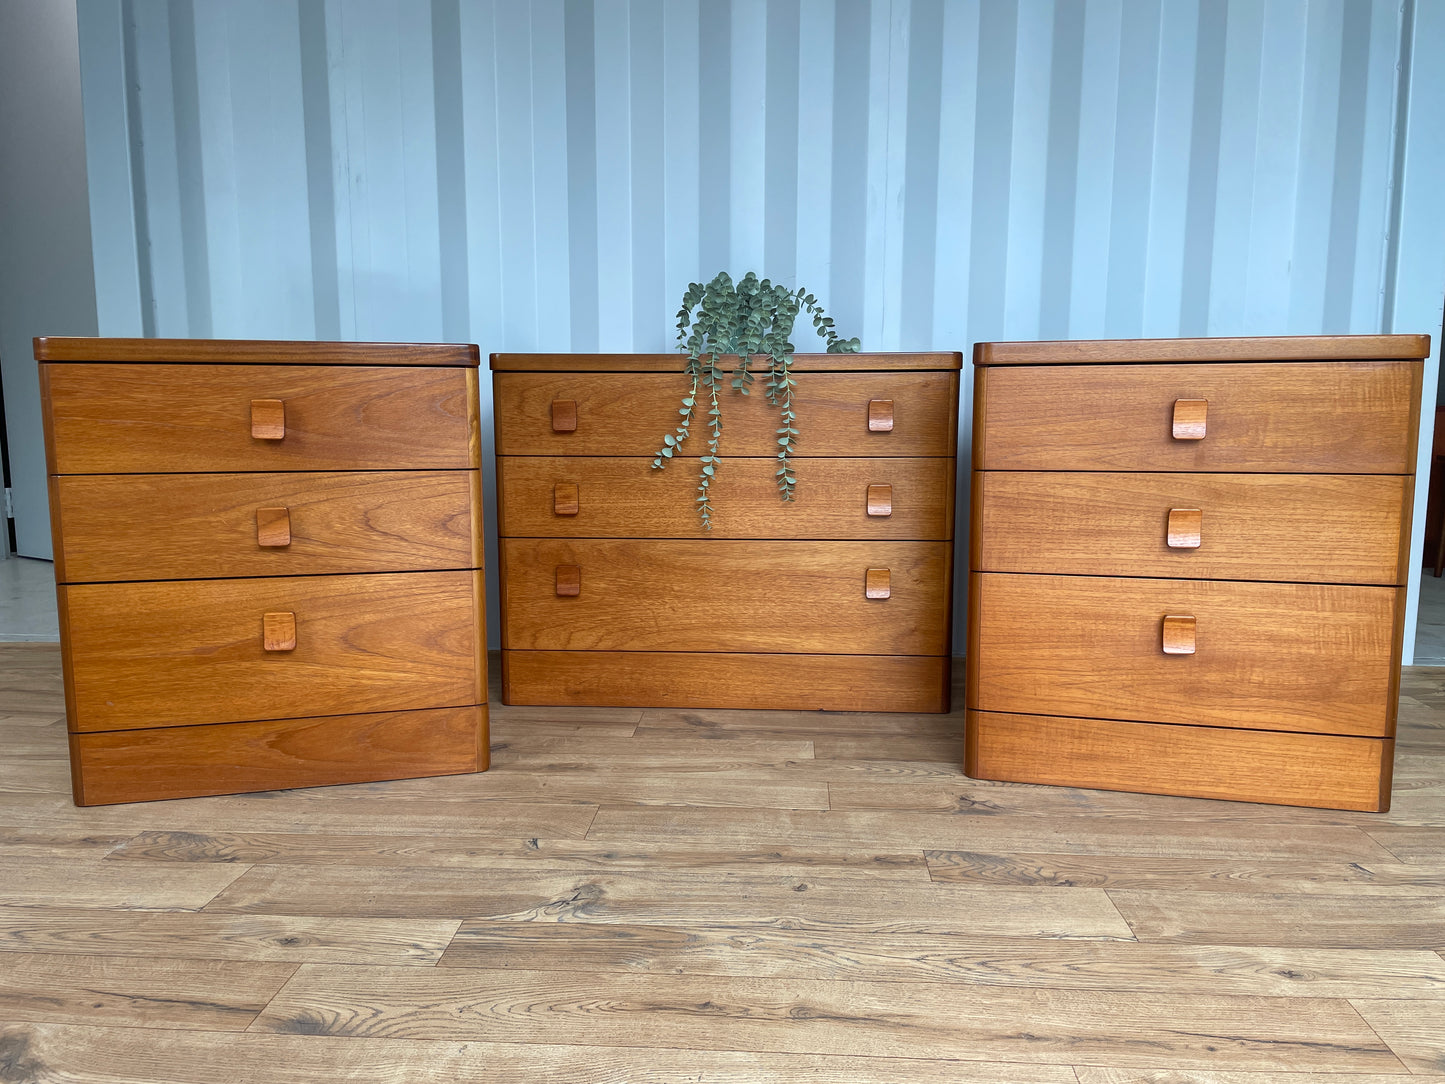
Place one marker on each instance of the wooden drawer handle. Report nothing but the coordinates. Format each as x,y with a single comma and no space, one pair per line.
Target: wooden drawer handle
569,580
273,527
1184,526
880,500
880,415
1178,635
278,632
876,583
268,419
564,415
564,499
1189,418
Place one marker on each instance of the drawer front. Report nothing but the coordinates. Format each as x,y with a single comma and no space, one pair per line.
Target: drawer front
611,497
1291,417
183,653
129,419
628,413
796,597
1316,528
1265,656
231,758
1193,761
193,526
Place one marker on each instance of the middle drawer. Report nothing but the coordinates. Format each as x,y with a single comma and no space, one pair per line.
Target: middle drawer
179,653
691,595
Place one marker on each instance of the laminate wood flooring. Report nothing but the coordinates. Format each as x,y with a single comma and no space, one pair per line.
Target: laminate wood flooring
640,897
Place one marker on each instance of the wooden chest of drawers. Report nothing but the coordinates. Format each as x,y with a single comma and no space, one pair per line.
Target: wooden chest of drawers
1188,563
268,561
613,593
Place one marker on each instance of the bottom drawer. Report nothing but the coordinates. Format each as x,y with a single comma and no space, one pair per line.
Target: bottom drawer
230,758
688,679
1322,770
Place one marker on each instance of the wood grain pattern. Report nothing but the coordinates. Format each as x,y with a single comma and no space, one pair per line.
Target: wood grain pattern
190,935
100,1055
1196,761
1252,526
647,595
229,758
253,352
674,362
627,416
919,957
202,526
148,418
1300,417
1258,348
182,653
43,882
883,1019
1415,1030
212,994
727,680
624,497
1312,658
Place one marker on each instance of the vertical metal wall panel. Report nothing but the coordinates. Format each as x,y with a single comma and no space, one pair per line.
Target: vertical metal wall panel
551,174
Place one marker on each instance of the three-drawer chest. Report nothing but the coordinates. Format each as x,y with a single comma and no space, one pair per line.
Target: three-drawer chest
614,594
268,559
1188,564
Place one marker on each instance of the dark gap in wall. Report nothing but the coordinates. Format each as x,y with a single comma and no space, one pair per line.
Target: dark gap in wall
581,77
1349,148
649,162
992,171
320,193
851,41
1061,171
780,173
714,107
134,145
195,258
1203,170
920,181
446,30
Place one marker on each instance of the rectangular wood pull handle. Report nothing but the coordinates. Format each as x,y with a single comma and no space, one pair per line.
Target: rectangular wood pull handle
1178,635
278,632
1184,526
564,499
564,415
569,580
876,583
268,419
273,527
880,500
1189,418
880,415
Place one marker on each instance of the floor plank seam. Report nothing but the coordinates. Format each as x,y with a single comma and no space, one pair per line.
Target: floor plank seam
1404,1066
1384,846
1122,916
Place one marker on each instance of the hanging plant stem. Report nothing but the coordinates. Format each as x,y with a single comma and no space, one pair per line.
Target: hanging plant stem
752,318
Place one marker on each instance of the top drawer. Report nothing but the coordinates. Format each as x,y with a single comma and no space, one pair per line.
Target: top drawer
1306,417
628,413
123,419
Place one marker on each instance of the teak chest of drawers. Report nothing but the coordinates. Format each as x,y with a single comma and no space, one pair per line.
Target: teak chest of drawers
1188,560
268,563
613,594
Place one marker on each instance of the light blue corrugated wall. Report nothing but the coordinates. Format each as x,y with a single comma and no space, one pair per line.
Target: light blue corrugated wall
550,175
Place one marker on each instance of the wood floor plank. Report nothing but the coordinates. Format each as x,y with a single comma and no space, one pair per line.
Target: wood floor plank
1414,1030
985,961
56,1053
716,721
888,747
1186,874
540,752
827,901
42,881
1093,1074
1325,921
895,1019
1411,844
1026,835
193,935
458,850
212,994
58,843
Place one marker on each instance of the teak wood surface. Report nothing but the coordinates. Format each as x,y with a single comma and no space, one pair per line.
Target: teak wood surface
57,348
674,362
1259,348
179,653
627,414
136,419
1270,656
624,496
743,897
1301,417
199,526
703,595
1282,527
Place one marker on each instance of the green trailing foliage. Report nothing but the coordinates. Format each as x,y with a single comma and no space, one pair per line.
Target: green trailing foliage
750,319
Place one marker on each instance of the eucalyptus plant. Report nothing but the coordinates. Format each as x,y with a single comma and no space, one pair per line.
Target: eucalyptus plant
752,318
